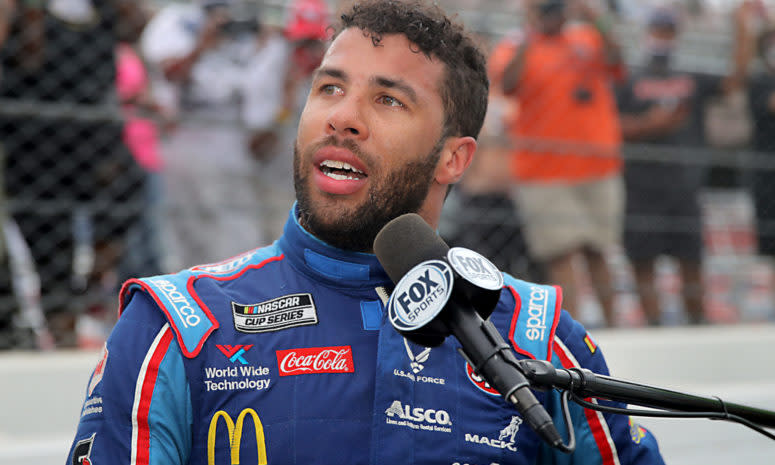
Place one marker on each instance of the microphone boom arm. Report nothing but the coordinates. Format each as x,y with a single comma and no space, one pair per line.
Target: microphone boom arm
585,383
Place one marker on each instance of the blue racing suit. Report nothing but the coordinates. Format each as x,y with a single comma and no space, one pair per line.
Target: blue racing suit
283,355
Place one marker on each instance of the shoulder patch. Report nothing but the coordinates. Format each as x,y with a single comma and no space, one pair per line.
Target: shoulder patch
535,318
188,316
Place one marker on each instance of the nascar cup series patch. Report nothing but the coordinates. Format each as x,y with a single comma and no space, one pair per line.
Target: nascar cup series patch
420,295
288,311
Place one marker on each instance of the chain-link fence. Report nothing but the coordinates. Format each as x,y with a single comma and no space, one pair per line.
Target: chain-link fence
84,208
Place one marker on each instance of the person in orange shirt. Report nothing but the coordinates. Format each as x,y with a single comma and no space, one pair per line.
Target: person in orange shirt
566,160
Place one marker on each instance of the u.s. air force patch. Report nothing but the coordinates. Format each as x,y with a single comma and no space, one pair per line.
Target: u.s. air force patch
283,312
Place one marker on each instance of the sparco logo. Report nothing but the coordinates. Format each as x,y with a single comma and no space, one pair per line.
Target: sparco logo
315,360
183,308
418,418
273,315
536,311
475,268
420,295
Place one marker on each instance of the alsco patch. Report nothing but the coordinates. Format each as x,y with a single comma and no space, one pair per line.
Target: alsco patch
284,312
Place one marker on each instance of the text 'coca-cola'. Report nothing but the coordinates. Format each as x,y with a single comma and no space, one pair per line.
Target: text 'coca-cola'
315,360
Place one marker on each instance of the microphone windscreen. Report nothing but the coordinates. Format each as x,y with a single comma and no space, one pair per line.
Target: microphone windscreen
405,242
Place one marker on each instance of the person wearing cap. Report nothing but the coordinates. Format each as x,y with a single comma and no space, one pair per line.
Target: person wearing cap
200,55
282,71
664,106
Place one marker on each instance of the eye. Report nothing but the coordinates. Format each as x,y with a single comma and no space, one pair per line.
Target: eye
331,89
390,101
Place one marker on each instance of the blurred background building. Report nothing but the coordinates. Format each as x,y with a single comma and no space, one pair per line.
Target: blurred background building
115,146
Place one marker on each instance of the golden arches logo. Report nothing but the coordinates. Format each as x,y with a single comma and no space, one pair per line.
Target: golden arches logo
235,435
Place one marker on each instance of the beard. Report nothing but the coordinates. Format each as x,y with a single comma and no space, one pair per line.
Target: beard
392,194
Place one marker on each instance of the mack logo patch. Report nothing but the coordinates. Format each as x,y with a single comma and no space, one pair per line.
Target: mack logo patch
315,360
506,436
420,295
273,315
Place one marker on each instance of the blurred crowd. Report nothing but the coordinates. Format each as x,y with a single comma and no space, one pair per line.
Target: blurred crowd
140,138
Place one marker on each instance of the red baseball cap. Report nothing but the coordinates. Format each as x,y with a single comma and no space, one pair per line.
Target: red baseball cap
307,19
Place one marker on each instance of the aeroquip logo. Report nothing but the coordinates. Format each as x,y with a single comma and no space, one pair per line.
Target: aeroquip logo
234,435
420,295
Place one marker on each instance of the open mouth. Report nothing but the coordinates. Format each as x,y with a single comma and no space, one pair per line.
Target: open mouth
341,171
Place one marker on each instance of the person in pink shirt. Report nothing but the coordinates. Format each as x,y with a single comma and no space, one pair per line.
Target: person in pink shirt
141,136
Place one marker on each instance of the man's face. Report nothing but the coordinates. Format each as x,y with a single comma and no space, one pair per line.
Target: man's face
660,46
549,14
368,139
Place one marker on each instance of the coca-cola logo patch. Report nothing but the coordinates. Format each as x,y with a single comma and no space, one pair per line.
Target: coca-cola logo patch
315,360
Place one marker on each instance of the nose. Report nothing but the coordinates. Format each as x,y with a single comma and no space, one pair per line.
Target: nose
346,120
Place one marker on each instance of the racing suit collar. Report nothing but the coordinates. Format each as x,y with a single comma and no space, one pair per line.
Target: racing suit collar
327,263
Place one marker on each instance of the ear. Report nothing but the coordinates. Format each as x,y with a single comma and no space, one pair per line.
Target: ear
456,157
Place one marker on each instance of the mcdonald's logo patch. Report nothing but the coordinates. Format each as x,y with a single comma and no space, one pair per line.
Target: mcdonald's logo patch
234,431
234,353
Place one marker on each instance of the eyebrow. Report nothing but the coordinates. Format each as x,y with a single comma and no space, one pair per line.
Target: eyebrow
380,81
397,84
331,72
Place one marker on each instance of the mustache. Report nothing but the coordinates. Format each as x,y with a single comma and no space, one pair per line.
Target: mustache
349,144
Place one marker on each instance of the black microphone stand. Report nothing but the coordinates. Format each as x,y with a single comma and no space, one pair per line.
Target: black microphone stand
579,384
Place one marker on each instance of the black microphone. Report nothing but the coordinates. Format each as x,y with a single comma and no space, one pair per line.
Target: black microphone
441,291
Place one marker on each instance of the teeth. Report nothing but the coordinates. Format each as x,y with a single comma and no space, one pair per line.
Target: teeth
336,164
340,177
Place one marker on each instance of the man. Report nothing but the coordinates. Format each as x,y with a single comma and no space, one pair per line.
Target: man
283,69
761,93
63,157
201,55
566,162
665,107
288,345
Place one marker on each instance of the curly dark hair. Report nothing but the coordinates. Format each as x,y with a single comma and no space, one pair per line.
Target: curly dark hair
465,87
